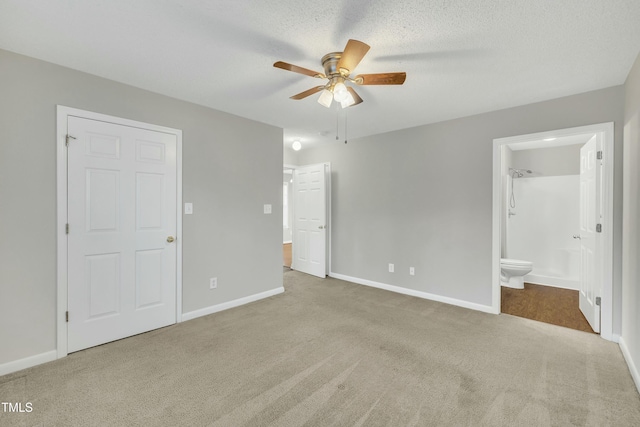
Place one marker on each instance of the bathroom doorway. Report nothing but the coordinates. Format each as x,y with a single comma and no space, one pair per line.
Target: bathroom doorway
538,217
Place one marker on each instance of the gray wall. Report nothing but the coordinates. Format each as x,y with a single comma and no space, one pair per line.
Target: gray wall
231,167
553,161
290,157
631,251
422,197
507,160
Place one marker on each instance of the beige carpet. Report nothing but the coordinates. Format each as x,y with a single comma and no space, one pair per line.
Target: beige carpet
331,353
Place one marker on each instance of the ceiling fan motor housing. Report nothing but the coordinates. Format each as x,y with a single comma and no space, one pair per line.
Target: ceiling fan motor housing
330,65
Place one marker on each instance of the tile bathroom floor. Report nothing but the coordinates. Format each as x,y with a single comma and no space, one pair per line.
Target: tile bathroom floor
545,304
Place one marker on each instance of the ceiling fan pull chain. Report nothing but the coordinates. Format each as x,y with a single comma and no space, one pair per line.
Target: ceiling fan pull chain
345,126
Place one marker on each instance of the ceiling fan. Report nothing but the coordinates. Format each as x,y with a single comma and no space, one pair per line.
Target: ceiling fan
338,67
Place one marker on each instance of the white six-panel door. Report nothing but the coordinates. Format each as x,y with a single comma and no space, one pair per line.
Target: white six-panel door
589,266
310,216
122,187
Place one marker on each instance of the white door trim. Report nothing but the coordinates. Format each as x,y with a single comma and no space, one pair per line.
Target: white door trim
329,232
61,220
606,326
293,208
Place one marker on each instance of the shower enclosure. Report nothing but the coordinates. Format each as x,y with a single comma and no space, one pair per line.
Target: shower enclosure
542,218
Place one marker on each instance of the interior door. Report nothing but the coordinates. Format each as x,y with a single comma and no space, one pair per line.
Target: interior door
310,220
122,229
589,282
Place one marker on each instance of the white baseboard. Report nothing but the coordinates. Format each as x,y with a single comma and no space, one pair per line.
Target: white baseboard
28,362
554,282
632,366
287,242
414,293
231,304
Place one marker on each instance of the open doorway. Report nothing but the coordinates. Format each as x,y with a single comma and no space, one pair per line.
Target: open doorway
553,203
287,216
307,218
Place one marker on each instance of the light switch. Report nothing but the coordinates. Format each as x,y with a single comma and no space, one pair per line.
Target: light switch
188,208
267,209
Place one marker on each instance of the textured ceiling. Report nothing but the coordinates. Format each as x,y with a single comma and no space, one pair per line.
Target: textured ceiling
461,57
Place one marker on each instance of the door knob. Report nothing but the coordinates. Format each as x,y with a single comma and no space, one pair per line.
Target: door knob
577,236
170,239
321,227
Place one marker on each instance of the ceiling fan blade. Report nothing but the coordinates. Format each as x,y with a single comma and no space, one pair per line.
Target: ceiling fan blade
353,53
356,97
300,70
308,92
381,79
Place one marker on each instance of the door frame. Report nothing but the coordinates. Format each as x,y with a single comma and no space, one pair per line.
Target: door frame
327,177
291,206
62,114
606,254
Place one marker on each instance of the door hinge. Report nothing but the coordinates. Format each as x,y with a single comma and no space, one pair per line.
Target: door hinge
67,316
599,155
68,138
598,301
66,228
599,228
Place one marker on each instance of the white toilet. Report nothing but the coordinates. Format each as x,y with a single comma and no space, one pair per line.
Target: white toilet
512,272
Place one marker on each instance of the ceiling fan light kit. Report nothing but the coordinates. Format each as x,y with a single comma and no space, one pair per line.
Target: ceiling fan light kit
340,92
338,67
348,101
326,97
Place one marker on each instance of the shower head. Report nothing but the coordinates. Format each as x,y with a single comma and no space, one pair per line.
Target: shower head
519,173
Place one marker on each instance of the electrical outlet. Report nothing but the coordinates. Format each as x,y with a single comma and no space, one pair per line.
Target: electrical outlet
213,283
412,271
391,268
